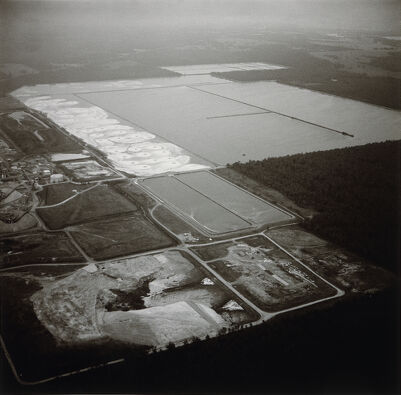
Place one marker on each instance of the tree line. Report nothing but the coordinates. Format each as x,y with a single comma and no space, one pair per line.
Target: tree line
356,192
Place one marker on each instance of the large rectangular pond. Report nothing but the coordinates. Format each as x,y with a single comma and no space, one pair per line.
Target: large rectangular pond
200,69
231,122
197,207
191,122
368,123
235,199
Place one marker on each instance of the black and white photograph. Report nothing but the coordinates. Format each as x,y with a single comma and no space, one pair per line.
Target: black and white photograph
200,197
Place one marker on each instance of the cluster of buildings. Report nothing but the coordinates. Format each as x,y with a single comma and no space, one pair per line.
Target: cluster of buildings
34,169
18,178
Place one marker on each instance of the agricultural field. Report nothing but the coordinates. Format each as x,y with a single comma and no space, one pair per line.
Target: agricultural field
87,170
37,248
339,266
57,193
32,136
120,236
265,274
95,203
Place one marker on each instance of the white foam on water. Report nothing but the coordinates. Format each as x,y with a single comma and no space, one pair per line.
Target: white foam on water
130,149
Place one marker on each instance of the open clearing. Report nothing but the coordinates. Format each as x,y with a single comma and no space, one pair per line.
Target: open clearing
97,202
37,248
265,274
120,236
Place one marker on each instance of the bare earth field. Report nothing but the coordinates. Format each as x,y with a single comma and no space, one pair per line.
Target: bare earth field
173,287
46,356
266,275
150,300
120,236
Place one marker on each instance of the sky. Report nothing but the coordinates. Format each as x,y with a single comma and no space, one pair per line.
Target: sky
32,27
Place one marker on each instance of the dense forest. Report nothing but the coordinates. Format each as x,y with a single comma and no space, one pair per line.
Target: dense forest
356,192
329,349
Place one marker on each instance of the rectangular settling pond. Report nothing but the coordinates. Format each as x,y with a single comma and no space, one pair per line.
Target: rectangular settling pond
214,203
235,199
197,207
